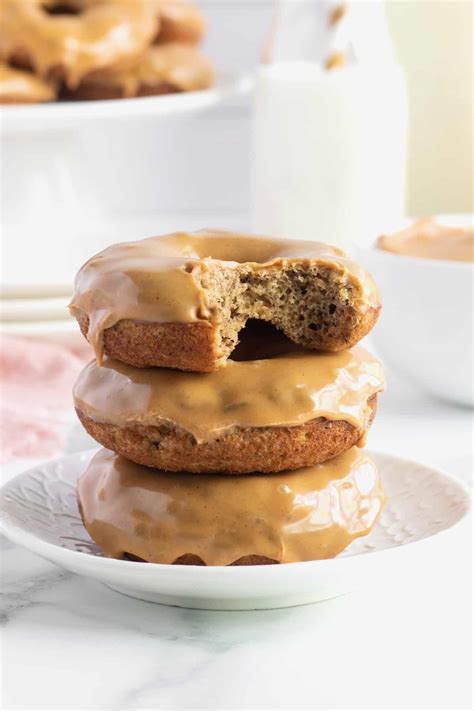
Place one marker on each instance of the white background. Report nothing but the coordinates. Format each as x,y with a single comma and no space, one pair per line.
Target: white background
206,163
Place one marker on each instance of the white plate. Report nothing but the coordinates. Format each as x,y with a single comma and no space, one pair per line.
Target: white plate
40,117
59,327
63,332
32,290
34,309
39,511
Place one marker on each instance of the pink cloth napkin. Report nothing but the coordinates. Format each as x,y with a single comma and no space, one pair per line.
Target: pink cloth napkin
36,381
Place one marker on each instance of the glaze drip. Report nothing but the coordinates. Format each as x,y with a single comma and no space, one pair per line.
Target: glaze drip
287,390
309,514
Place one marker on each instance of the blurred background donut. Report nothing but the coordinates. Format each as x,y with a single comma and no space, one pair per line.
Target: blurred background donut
101,49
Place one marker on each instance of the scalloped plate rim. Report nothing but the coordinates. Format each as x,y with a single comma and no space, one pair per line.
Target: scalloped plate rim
19,536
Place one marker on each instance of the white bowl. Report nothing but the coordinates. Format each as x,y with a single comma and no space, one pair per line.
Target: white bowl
425,329
424,506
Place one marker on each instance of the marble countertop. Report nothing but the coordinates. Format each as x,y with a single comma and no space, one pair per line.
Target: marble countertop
71,643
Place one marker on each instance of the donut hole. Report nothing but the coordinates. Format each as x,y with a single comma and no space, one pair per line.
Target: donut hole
61,8
261,340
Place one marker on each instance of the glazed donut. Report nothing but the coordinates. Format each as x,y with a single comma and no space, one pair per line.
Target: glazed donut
21,87
163,69
293,410
134,513
103,33
180,300
180,22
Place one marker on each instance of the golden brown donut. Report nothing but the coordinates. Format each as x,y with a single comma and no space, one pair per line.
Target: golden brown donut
180,22
98,34
163,69
139,514
294,410
180,300
264,450
22,87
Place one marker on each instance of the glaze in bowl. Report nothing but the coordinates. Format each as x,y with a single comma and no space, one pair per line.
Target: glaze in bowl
425,330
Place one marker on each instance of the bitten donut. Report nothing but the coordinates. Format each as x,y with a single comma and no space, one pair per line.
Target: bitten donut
163,69
21,87
180,300
135,513
69,39
290,411
180,22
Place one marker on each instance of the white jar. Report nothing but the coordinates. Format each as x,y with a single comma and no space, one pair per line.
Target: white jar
330,151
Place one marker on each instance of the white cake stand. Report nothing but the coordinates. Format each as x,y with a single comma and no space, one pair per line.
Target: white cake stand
50,214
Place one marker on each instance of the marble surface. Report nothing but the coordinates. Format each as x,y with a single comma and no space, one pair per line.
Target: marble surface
71,643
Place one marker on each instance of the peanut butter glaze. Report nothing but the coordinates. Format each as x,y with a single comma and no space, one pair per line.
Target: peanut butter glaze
310,514
160,279
20,87
180,22
288,390
103,33
428,239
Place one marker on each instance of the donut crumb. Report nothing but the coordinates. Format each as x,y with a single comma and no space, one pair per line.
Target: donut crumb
314,306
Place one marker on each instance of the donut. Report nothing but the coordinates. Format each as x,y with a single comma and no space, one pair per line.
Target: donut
136,513
70,40
163,69
289,411
180,300
180,22
21,87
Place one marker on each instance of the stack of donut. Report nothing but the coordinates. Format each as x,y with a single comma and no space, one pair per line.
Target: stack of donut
231,398
100,49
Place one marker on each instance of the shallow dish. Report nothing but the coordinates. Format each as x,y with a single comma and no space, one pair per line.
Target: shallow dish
62,114
31,290
58,327
34,309
39,511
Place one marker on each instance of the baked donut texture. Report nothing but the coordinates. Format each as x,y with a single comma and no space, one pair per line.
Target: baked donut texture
180,300
265,415
22,87
163,69
136,513
53,42
245,450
